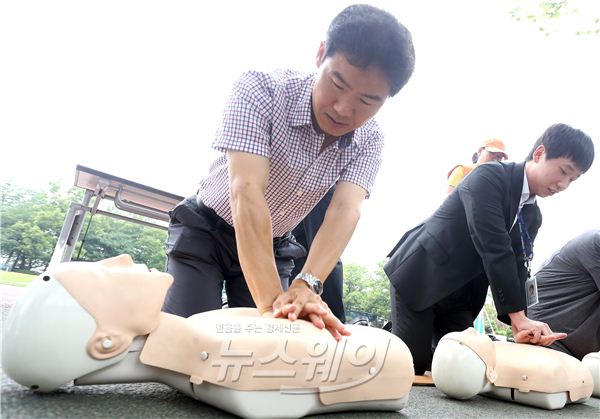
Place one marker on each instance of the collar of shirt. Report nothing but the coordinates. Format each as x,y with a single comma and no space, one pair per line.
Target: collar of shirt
303,112
526,196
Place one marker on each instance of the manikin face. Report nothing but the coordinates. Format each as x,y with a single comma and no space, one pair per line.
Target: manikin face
344,97
549,176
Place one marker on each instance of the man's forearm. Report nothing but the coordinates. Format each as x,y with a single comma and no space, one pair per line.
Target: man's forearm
331,240
517,318
254,238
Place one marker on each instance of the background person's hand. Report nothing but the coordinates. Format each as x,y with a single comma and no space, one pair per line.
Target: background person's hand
299,302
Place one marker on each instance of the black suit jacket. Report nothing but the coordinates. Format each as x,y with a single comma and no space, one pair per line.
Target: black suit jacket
469,239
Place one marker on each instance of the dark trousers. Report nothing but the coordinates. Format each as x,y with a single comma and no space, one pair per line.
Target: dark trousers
202,257
422,330
305,232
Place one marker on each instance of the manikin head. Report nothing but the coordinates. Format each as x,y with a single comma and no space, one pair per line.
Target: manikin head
78,317
592,363
457,369
367,56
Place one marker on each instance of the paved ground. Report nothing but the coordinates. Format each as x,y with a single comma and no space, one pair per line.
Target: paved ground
160,401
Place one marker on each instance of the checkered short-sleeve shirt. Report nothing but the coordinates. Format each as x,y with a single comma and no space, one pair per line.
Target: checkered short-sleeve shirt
269,114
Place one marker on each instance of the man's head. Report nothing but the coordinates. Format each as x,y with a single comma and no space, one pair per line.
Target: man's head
369,36
559,157
367,56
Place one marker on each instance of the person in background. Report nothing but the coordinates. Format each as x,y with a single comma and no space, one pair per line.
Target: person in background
440,271
287,138
492,149
568,294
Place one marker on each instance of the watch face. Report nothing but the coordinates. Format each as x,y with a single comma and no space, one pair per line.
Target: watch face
317,287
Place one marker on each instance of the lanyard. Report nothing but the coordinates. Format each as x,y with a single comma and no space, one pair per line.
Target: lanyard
526,244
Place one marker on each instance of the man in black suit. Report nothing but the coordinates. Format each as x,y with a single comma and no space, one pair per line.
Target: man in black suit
441,269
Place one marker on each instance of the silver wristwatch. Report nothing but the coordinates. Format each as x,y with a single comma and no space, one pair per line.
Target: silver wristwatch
312,281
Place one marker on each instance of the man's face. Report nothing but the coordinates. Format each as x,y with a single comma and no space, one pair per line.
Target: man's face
550,176
344,97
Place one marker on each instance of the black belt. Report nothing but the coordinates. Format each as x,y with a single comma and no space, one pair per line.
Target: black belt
214,218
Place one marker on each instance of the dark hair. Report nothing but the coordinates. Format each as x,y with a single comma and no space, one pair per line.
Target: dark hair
561,140
475,157
368,36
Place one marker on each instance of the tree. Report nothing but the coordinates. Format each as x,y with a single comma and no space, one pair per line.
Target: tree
29,246
30,223
109,237
367,292
550,16
499,328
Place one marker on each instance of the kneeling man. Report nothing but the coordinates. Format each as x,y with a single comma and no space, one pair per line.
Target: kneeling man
481,235
569,295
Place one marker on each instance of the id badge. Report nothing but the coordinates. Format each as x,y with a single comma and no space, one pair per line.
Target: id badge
531,291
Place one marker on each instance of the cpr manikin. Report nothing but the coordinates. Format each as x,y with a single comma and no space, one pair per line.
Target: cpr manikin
592,362
100,323
466,364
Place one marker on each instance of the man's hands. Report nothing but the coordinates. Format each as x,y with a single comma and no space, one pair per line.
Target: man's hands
534,338
534,332
299,302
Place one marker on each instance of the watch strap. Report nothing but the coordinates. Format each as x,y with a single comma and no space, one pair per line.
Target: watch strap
312,281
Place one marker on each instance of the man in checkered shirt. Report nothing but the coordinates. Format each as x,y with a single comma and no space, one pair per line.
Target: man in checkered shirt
286,138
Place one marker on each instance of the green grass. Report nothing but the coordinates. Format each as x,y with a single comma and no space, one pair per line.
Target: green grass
15,278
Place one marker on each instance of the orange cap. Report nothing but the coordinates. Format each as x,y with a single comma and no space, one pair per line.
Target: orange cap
494,145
